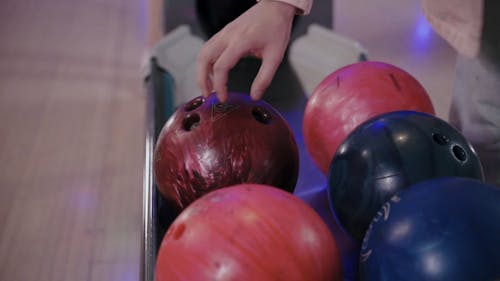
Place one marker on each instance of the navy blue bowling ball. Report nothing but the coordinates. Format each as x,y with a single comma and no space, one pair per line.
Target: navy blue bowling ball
388,153
441,229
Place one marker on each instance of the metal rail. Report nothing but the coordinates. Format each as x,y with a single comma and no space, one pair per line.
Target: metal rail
159,106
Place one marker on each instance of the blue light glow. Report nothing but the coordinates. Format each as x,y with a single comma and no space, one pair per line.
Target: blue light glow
422,34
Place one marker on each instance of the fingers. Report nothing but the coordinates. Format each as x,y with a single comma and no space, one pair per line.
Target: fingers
214,66
222,66
206,57
270,62
264,30
215,61
202,76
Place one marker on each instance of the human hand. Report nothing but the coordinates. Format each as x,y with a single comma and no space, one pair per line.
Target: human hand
262,31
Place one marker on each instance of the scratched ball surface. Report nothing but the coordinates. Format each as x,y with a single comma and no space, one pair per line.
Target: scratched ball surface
441,229
206,145
248,232
351,95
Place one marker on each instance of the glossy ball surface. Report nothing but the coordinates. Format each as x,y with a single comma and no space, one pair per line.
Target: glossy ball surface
351,95
206,145
441,229
248,232
387,154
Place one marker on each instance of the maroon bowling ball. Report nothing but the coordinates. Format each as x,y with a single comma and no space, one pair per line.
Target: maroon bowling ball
206,145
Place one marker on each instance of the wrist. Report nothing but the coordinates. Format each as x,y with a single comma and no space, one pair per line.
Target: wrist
301,7
284,7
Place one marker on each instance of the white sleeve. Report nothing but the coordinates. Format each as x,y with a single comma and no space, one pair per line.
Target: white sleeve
303,6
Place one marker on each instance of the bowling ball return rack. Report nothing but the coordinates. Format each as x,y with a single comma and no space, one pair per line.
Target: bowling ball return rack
288,96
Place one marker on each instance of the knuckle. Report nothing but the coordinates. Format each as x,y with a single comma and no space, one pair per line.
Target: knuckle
221,67
203,56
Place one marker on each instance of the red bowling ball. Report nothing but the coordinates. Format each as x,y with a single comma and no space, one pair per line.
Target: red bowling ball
248,232
206,145
351,95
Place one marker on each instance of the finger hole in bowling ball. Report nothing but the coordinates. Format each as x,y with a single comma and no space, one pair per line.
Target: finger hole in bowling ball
190,122
459,153
440,139
261,115
194,104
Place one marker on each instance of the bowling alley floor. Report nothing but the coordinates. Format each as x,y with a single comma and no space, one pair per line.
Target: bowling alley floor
72,126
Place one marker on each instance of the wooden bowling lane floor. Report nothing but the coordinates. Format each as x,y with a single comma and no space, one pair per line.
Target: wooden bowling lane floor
71,139
72,125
